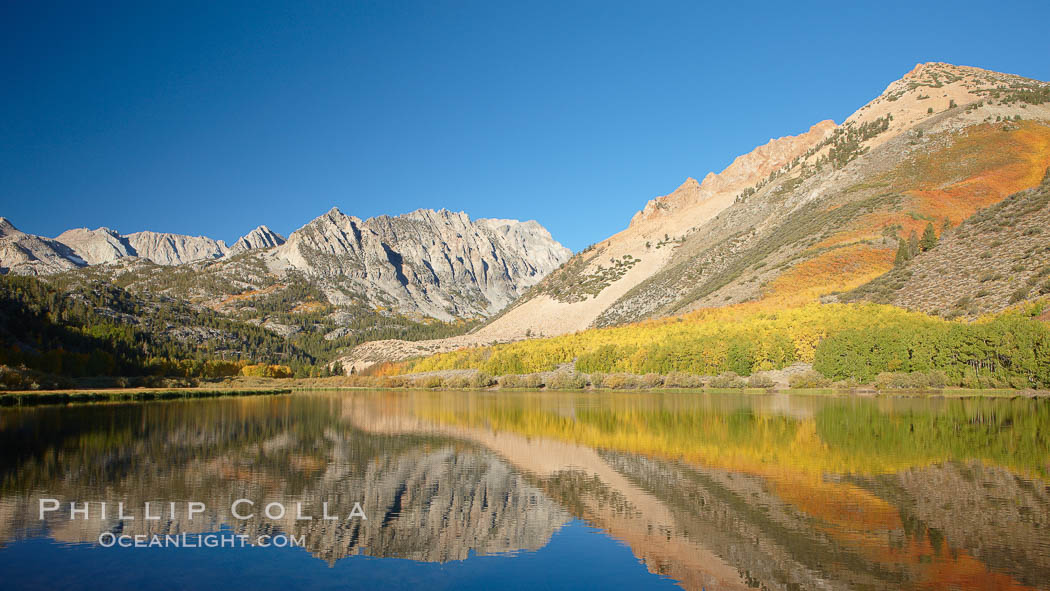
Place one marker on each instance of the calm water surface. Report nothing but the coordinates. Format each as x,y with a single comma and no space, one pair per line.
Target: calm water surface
534,490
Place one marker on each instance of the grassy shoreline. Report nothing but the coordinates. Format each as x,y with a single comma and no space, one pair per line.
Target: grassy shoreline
270,386
34,398
39,397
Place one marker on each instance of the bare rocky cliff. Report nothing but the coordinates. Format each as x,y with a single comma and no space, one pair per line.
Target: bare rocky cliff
96,246
260,237
411,268
26,254
435,263
174,249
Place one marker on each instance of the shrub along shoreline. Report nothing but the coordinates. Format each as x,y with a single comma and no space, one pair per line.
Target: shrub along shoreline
846,345
31,397
802,379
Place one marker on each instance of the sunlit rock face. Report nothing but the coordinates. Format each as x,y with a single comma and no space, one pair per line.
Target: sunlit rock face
96,246
175,249
26,254
427,263
436,263
259,238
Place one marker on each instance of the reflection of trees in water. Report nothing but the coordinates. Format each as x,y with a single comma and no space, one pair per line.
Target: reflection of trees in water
775,544
791,522
714,492
830,435
426,498
740,518
994,515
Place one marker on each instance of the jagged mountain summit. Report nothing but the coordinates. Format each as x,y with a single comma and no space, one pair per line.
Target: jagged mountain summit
80,247
800,218
26,254
96,246
433,263
260,237
424,264
175,249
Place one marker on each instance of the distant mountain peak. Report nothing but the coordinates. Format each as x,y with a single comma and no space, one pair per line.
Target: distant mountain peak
260,237
97,246
745,171
437,263
26,254
6,227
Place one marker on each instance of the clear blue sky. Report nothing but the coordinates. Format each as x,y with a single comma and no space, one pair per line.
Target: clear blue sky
213,117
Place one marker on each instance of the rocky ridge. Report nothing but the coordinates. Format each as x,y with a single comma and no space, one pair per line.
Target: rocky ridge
422,265
435,263
260,237
82,247
26,254
799,218
175,249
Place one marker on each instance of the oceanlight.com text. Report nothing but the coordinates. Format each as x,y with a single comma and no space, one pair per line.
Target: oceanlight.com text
214,540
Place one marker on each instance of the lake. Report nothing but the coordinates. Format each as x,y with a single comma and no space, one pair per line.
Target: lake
524,490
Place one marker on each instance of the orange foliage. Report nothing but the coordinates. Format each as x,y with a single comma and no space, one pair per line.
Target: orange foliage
870,226
311,306
835,270
998,163
981,166
247,295
384,369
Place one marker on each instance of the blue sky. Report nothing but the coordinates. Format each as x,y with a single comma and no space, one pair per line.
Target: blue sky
213,117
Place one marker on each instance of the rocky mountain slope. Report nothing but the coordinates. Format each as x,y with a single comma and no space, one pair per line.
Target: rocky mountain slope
26,254
260,237
434,263
799,218
96,246
426,263
928,149
335,283
997,257
175,249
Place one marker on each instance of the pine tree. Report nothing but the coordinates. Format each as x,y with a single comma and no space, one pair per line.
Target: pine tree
913,244
903,254
929,237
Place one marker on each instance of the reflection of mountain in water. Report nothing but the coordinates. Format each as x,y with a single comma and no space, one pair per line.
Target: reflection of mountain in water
769,525
426,499
996,516
436,506
684,481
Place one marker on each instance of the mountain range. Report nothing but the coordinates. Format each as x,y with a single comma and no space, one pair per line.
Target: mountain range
426,263
957,155
28,254
814,217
